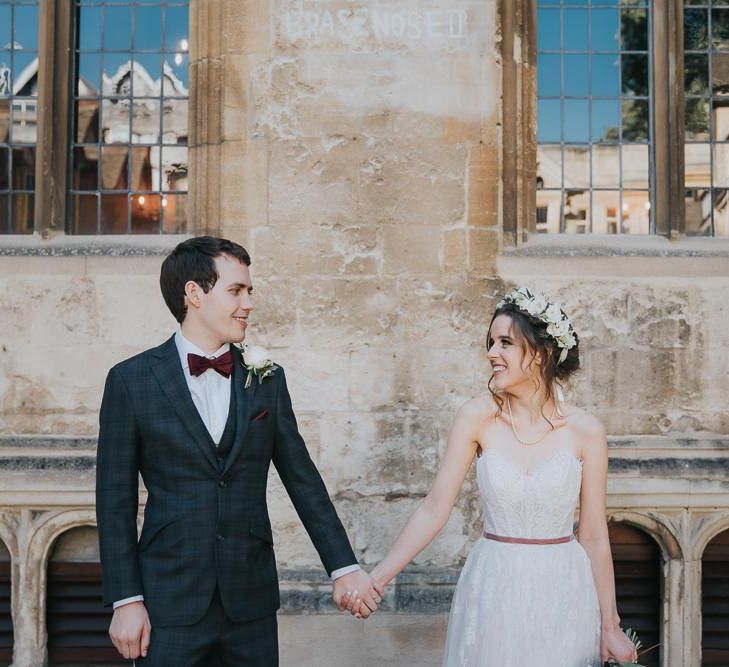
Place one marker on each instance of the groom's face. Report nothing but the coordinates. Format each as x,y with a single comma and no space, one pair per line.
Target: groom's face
224,310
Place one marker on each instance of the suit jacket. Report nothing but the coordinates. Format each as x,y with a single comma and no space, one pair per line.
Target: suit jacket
206,521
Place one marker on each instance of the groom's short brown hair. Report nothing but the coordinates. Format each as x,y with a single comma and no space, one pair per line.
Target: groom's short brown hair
194,260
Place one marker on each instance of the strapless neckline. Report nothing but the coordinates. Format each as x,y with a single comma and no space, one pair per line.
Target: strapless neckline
537,466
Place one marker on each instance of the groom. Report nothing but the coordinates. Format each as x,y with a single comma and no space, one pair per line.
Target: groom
201,584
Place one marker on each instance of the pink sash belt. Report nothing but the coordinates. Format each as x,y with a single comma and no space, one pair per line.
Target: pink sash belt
527,540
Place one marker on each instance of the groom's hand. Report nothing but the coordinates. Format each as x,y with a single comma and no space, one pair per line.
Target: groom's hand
356,593
130,630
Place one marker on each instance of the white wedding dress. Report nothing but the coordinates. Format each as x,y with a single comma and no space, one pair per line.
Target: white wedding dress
526,605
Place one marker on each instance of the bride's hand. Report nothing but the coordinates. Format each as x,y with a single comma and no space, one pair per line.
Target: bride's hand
616,645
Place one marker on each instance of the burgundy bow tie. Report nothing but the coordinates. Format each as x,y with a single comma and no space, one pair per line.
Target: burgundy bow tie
222,364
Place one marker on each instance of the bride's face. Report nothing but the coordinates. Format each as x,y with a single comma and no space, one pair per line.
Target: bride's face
511,359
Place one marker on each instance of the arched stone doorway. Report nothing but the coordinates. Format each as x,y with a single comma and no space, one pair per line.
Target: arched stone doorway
6,618
76,619
715,602
638,585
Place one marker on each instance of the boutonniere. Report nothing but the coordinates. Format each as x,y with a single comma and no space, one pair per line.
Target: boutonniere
258,363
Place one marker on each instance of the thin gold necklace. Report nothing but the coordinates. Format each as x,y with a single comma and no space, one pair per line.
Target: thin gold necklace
513,425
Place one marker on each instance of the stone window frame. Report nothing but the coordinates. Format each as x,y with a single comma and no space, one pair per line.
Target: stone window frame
52,171
519,147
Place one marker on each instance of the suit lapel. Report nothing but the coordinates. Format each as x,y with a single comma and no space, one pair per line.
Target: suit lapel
243,405
171,378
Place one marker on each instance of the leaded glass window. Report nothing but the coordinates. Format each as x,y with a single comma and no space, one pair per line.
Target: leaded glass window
18,114
129,156
594,137
706,117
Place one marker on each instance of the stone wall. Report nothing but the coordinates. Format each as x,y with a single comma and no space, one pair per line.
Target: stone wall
355,149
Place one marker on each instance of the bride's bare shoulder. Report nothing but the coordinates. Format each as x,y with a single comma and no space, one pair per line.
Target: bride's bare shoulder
585,425
479,409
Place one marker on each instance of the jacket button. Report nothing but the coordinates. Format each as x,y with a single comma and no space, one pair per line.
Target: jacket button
222,483
220,538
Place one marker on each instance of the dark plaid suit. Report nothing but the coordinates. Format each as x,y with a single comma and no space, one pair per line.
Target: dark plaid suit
206,538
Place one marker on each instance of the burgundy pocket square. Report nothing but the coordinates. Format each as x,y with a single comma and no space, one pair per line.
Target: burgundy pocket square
261,415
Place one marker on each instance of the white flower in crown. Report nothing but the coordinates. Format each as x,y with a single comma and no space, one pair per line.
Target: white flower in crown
258,363
559,327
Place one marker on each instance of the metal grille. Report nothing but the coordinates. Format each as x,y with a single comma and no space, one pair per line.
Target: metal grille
594,137
18,113
715,602
129,159
706,90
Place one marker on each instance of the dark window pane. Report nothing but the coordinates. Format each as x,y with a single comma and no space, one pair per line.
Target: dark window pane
23,168
548,120
696,119
576,121
698,212
175,79
605,120
114,214
635,74
83,214
89,38
22,213
146,213
635,120
695,29
176,29
26,27
548,30
548,75
4,167
89,70
174,168
87,121
720,74
5,25
4,120
117,28
85,168
696,74
634,29
175,122
720,29
605,30
4,214
576,75
575,30
174,214
148,28
114,167
605,76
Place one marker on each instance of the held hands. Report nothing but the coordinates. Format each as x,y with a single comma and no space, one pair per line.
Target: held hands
357,593
615,645
130,630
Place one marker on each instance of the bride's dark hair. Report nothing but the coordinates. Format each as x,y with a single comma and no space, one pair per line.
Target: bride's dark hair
537,342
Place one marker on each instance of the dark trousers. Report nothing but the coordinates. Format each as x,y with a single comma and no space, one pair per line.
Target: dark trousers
215,641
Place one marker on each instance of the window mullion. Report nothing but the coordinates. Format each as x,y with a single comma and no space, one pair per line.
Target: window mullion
54,56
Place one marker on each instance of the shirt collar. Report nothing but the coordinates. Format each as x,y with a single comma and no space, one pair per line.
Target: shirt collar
185,347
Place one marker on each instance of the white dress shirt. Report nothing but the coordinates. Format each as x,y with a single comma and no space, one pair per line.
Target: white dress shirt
210,393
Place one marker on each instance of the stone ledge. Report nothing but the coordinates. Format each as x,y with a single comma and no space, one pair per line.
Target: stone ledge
83,246
586,245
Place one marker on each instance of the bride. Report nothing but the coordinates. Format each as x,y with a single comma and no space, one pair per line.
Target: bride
530,594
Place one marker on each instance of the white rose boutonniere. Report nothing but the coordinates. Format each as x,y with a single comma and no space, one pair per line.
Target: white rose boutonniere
258,363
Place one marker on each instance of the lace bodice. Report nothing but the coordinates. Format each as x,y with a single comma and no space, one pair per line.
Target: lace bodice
536,504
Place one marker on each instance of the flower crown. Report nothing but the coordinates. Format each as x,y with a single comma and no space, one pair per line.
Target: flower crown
537,305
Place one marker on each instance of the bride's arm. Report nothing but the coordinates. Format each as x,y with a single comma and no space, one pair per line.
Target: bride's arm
433,512
593,536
